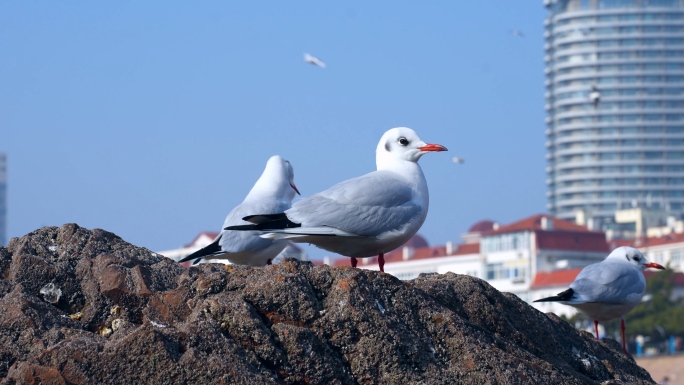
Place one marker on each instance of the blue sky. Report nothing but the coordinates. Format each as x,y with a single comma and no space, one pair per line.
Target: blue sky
153,119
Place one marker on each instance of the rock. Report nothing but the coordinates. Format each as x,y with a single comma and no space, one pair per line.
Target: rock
128,315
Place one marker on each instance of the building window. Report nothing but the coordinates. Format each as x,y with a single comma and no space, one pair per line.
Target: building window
502,270
505,242
658,257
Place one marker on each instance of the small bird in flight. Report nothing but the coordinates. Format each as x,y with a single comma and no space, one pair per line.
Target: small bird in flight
595,96
517,32
313,60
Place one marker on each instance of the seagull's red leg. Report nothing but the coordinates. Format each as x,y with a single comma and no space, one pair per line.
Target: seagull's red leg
596,328
268,261
622,328
354,262
381,262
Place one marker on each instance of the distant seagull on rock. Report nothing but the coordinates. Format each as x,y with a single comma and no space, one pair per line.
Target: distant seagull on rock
313,60
272,193
595,96
365,216
608,289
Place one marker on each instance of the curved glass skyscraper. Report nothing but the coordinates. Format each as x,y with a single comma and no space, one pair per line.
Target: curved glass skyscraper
623,145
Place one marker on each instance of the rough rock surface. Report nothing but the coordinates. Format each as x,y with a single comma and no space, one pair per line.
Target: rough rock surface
127,315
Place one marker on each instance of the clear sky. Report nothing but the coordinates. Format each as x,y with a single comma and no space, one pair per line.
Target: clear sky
154,119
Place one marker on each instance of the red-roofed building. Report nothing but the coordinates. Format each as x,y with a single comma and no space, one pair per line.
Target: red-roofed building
507,256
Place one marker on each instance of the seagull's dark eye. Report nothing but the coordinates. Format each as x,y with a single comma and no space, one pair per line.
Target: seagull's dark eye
635,258
403,141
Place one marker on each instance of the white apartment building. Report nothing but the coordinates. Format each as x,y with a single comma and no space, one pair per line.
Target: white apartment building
508,257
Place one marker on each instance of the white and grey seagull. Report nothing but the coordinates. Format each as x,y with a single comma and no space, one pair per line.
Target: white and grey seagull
595,96
608,289
272,193
365,216
314,60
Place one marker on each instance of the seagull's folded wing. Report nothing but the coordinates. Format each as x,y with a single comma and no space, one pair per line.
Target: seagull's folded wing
238,241
368,205
609,283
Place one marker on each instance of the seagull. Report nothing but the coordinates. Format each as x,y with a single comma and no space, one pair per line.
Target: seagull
608,289
364,216
517,32
458,159
595,96
313,60
272,193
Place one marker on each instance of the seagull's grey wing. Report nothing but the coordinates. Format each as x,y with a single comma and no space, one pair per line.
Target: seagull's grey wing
368,205
236,241
609,282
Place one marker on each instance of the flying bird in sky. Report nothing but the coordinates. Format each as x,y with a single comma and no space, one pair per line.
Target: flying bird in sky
517,32
313,60
595,96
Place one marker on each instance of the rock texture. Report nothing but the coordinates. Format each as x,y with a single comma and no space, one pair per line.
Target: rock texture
127,315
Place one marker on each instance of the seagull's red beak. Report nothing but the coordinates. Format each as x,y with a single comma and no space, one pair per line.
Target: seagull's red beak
295,188
654,265
430,147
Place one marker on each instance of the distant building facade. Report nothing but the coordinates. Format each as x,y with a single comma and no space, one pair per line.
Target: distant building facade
3,199
533,258
508,257
622,147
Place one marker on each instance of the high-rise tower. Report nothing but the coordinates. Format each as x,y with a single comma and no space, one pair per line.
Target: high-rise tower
3,199
615,106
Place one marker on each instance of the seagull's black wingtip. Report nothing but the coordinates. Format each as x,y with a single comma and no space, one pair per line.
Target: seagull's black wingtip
209,249
560,297
265,222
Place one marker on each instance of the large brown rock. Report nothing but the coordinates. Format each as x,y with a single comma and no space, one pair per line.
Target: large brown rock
127,315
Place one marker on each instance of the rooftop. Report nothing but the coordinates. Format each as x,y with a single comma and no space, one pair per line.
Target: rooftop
539,222
554,278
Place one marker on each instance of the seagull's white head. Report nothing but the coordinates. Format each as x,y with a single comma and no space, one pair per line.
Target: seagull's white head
402,144
276,180
634,257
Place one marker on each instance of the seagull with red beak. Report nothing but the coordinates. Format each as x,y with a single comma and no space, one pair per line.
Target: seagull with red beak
362,217
272,193
609,289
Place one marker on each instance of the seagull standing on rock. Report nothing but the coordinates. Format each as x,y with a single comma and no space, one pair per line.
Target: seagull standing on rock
365,216
272,193
608,289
